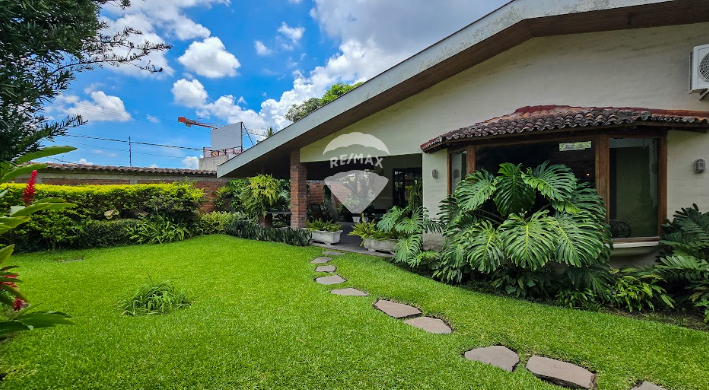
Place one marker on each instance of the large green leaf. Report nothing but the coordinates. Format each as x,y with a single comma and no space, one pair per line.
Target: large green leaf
6,252
7,327
578,241
513,195
44,319
9,223
483,247
475,190
408,249
554,182
44,152
529,243
587,199
42,205
19,171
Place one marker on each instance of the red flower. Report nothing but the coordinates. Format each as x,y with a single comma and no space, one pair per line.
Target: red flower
19,303
28,195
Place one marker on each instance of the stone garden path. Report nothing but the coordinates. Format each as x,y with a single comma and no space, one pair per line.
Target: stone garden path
551,370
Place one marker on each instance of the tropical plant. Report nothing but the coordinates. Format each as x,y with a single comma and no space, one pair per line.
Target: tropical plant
264,193
157,229
300,111
253,231
323,226
409,224
155,298
521,222
13,302
368,229
684,264
639,290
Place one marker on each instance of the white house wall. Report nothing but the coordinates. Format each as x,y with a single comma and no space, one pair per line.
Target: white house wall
629,68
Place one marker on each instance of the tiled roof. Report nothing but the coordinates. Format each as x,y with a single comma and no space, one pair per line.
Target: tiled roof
117,169
541,118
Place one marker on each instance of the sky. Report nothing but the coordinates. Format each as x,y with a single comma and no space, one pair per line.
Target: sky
240,61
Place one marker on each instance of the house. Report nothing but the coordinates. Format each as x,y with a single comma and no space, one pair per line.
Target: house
601,86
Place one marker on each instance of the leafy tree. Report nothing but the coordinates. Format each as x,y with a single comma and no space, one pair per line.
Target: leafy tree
43,45
300,111
515,226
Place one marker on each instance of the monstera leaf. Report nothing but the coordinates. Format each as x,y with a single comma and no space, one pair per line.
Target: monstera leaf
512,194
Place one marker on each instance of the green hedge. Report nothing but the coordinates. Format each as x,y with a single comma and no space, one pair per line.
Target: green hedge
252,231
179,202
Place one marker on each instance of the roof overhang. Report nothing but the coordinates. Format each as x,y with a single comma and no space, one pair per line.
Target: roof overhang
504,28
546,119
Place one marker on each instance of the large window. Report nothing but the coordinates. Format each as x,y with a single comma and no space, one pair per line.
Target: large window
404,178
626,170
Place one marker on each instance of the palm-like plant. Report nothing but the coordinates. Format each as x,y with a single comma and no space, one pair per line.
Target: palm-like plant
526,219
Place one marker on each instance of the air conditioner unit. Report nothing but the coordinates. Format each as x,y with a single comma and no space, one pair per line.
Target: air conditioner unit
699,70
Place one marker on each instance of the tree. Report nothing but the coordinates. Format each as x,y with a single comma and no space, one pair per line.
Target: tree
300,111
43,45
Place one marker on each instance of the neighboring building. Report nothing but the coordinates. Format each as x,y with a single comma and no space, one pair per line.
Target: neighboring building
77,174
535,80
226,142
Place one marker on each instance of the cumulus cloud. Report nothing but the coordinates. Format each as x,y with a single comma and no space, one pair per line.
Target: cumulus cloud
189,93
83,161
209,58
292,35
100,108
191,162
262,49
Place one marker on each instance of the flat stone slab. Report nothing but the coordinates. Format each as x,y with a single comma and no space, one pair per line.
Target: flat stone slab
321,260
326,268
430,325
648,386
333,253
328,280
561,373
497,356
350,292
396,310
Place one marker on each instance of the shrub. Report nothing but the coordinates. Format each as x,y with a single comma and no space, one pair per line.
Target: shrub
368,229
523,222
103,234
52,229
323,226
408,225
216,222
252,231
264,193
157,230
639,290
155,298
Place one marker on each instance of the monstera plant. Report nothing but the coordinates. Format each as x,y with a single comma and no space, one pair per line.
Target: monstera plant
16,315
522,221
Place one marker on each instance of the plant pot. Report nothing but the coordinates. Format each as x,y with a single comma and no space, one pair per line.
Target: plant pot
327,238
373,245
265,220
355,219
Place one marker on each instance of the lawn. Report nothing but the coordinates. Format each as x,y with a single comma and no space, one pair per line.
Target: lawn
258,321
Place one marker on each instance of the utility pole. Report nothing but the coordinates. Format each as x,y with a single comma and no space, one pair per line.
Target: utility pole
130,152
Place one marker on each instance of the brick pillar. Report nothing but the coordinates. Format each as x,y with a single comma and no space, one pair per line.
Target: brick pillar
298,191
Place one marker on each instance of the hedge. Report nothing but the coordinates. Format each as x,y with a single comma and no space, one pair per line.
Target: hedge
68,228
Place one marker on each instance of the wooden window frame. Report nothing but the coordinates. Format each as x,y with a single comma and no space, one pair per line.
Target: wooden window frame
601,139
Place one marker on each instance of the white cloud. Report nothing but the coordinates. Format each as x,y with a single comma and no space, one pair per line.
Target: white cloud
189,93
101,107
83,161
292,34
209,58
156,165
191,162
228,109
262,49
152,118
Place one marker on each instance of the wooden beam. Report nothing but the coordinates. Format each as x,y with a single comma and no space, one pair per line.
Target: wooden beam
661,182
603,170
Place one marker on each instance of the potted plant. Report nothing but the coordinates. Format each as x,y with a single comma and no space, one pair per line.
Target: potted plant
262,194
374,239
326,232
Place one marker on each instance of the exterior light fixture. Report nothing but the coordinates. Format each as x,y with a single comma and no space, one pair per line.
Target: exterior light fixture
434,173
700,165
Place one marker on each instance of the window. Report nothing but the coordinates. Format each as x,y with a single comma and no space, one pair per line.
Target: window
404,178
633,203
458,168
627,170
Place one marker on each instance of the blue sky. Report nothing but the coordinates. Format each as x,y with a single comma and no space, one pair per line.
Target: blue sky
241,61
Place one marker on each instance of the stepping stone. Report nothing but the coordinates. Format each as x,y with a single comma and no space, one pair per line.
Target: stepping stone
396,310
328,280
333,253
561,373
350,292
648,386
326,268
321,260
430,325
497,356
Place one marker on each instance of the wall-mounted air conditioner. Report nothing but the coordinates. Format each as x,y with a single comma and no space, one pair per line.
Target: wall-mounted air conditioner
699,70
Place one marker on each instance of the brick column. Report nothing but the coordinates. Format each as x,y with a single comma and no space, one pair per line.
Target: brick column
298,191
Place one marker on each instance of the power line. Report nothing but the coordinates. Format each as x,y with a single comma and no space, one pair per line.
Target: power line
134,142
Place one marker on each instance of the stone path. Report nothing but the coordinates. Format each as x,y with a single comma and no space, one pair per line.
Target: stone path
550,370
326,268
497,356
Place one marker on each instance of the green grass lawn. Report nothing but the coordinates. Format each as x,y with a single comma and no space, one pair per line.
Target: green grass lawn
258,321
